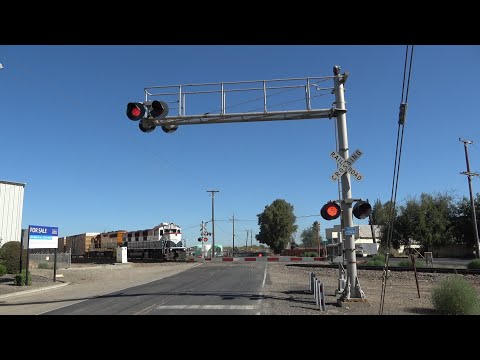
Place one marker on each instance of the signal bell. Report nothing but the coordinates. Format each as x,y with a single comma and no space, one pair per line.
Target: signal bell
330,211
362,209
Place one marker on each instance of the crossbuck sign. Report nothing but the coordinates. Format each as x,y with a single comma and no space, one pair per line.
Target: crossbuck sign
346,165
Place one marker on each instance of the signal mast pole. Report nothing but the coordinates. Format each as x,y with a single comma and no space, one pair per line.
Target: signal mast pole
352,289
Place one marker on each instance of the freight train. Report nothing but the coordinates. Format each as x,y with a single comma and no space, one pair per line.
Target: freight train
163,241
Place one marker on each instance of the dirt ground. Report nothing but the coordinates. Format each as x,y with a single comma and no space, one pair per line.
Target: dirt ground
289,287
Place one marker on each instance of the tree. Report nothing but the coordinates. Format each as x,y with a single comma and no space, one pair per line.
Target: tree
277,224
462,220
381,214
310,237
428,221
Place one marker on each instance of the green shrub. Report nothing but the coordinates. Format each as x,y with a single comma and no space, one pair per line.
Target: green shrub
474,264
20,278
456,296
3,269
420,263
309,254
10,254
375,262
408,263
379,257
43,265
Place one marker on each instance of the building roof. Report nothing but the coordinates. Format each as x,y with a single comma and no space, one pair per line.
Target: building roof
12,183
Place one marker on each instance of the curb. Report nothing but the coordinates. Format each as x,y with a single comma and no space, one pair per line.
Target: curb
18,293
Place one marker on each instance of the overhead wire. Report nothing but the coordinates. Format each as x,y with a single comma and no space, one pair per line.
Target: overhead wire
396,171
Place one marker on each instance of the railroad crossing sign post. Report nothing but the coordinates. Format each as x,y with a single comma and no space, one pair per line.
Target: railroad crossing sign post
352,291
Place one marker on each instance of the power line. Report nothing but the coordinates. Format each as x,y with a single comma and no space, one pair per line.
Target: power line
396,169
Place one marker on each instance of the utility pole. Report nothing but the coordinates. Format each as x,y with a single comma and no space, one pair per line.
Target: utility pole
472,202
251,239
317,228
202,235
352,289
213,221
233,236
370,222
246,242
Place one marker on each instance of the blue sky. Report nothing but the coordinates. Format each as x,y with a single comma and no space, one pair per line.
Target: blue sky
88,168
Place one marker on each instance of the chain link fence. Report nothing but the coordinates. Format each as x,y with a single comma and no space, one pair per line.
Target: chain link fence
46,260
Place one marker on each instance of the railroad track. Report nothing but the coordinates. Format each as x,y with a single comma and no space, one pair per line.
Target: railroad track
400,268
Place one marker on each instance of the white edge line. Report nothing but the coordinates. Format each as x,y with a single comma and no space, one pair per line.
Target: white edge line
73,303
264,275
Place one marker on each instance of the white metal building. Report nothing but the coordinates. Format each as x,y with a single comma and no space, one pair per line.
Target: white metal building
11,211
364,244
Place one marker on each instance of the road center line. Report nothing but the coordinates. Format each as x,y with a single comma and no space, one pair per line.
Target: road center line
264,276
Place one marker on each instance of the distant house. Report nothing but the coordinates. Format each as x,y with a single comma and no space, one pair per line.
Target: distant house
364,244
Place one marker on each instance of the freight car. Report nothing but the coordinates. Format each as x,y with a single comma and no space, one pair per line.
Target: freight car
105,244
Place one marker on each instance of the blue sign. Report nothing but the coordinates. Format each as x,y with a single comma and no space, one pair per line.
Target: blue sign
349,230
42,237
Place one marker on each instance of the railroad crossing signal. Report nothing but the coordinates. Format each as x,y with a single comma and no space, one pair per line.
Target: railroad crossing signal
346,165
310,111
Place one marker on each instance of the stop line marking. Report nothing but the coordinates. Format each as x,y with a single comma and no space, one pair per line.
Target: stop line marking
207,307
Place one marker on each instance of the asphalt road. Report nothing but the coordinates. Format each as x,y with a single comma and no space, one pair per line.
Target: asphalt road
214,288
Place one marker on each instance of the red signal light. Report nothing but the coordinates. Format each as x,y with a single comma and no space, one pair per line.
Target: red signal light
135,111
362,210
158,109
330,211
